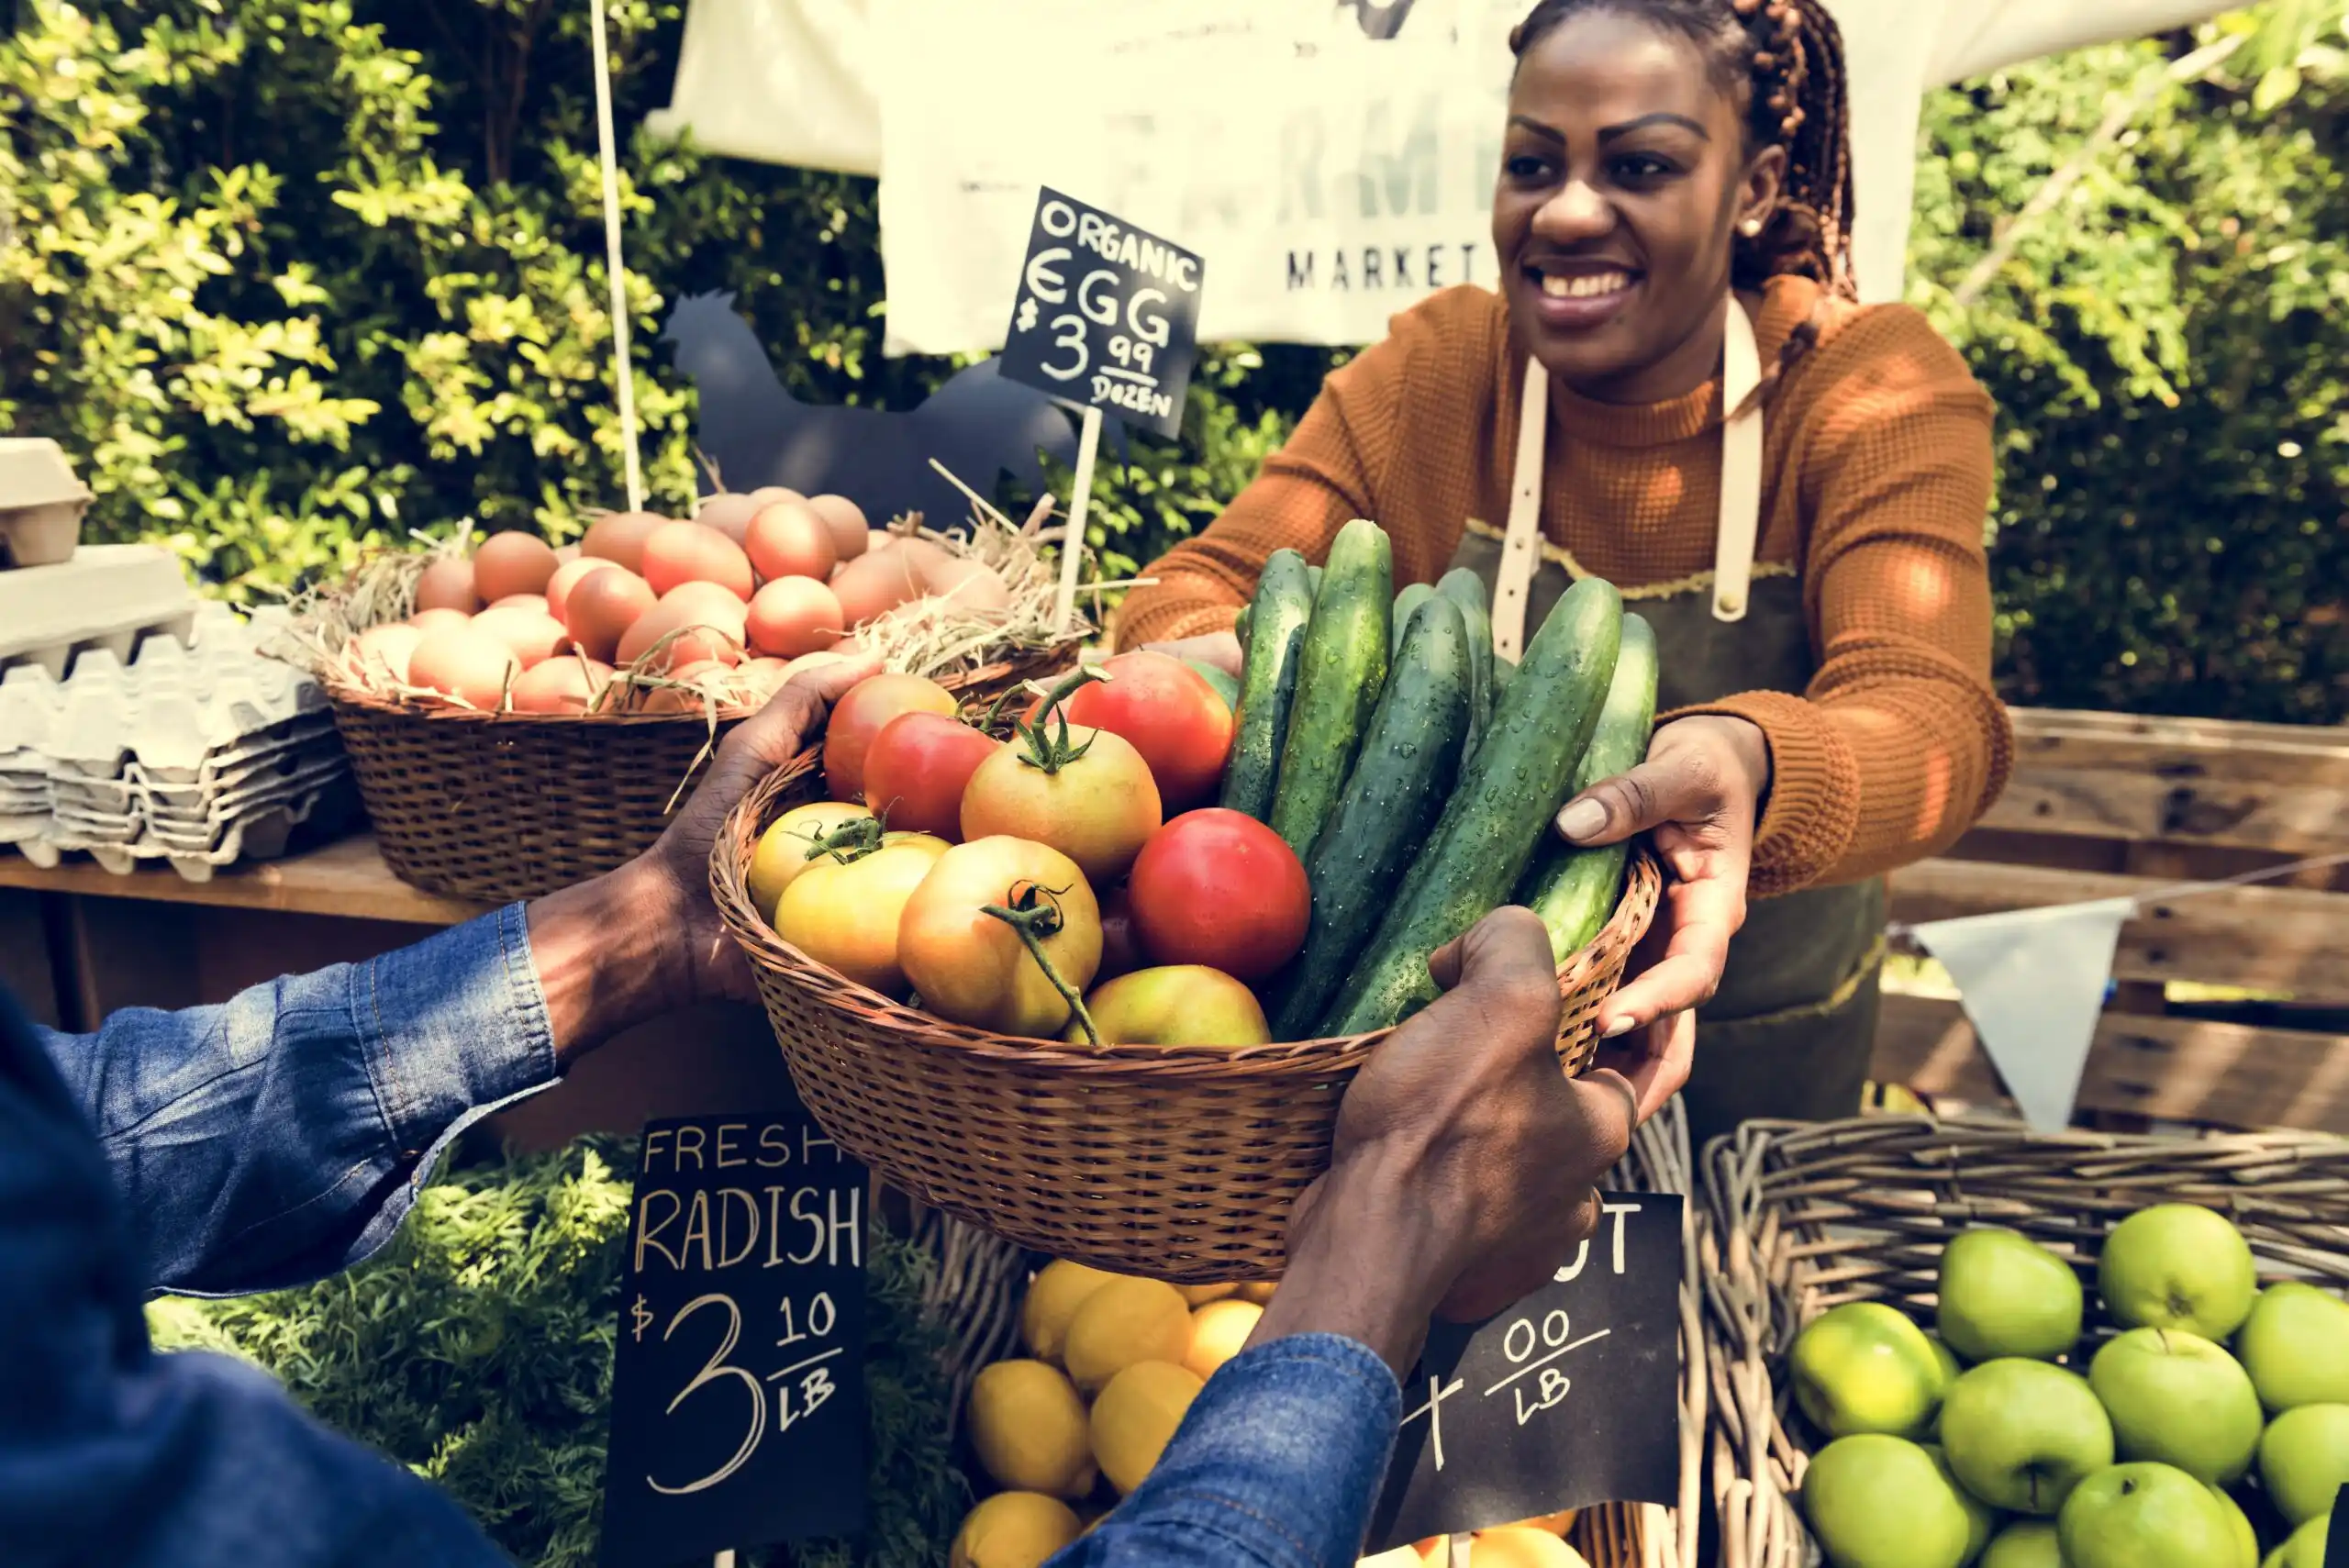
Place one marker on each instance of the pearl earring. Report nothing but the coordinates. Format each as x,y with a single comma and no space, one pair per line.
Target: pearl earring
1751,228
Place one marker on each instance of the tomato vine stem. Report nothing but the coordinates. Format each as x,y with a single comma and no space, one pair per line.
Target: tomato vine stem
1034,913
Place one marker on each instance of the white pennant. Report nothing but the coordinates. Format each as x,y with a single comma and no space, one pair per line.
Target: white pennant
2032,982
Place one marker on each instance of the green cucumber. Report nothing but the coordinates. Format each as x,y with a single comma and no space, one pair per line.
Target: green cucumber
1574,891
1239,626
1413,595
1225,686
1466,589
1339,673
1512,786
1409,759
1276,621
1313,575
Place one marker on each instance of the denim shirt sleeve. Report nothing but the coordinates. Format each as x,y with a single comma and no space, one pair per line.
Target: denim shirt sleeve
283,1135
1277,1465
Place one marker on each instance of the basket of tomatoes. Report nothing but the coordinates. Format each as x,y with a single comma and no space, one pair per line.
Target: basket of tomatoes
519,717
1094,975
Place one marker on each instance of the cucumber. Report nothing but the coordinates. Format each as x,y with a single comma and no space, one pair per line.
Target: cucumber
1338,677
1573,890
1313,575
1239,626
1276,622
1466,589
1512,786
1225,686
1413,595
1409,759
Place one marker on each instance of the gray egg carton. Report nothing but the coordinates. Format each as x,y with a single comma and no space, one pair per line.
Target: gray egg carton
41,504
113,597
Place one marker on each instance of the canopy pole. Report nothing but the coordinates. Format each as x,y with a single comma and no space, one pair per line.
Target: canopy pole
623,375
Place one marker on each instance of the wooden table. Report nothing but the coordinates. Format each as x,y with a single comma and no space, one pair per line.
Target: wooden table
78,943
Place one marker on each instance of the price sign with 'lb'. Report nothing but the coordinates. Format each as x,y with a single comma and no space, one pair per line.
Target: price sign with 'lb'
1106,315
738,1386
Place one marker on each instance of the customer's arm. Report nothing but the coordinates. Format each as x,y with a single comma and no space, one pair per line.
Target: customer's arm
1464,1169
283,1134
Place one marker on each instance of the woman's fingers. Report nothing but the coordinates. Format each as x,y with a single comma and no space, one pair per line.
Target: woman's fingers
1702,913
1220,649
1654,1061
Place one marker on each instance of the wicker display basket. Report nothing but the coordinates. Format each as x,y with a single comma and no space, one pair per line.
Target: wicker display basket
1798,1217
1178,1162
499,807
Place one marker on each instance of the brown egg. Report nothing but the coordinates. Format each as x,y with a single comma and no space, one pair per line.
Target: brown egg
620,536
687,552
465,662
717,635
878,539
602,607
787,539
448,584
564,684
522,602
757,679
873,584
384,649
433,620
851,534
700,681
970,584
533,635
768,495
730,512
808,661
791,616
512,563
564,554
566,577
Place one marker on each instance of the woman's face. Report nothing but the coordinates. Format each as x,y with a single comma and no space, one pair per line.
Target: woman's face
1624,175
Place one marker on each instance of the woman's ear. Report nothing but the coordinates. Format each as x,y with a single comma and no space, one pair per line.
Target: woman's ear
1766,178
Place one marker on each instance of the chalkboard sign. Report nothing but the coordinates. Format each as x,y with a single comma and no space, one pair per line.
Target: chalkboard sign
1568,1398
738,1388
1106,315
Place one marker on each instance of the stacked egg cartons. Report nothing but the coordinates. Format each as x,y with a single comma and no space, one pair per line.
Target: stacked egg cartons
200,752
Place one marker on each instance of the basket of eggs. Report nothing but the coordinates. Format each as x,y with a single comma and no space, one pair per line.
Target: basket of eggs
519,717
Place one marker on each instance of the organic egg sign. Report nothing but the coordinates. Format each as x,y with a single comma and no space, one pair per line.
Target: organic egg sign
1570,1397
738,1384
1105,316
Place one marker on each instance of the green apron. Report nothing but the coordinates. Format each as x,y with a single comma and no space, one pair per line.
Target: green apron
1792,1028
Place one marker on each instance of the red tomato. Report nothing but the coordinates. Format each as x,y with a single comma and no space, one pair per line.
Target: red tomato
1096,803
1172,715
1219,888
857,716
916,769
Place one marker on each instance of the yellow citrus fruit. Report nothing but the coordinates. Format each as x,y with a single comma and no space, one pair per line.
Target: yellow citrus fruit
1125,1321
1013,1530
1416,1556
1219,1330
1261,1293
1523,1546
1058,1290
1201,1295
1135,1417
1558,1523
783,849
1028,1428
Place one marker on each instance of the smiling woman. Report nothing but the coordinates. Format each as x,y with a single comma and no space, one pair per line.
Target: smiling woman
1675,390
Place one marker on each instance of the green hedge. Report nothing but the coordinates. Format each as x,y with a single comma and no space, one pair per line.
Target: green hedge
289,274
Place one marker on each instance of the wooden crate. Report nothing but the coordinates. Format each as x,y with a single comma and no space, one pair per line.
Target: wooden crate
2106,806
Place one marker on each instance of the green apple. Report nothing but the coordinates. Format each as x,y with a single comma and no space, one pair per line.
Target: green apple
2176,1265
2305,1548
2177,1397
2145,1516
2295,1344
2304,1460
1182,1004
2002,1293
2246,1538
1981,1519
1864,1367
1876,1501
2025,1543
2021,1434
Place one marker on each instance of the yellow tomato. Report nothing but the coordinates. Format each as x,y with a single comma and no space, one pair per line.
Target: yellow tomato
971,966
788,848
844,915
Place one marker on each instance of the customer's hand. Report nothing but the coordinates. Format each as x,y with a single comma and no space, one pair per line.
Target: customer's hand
1699,796
1220,648
1466,1163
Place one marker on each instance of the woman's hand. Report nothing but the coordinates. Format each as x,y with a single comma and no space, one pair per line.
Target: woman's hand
1220,648
1698,794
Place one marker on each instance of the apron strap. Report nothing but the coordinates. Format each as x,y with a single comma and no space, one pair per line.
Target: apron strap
1741,515
1521,544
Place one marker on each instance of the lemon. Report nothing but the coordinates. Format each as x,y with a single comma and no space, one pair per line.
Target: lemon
1523,1546
1559,1523
1135,1417
1217,1331
1013,1530
1059,1289
1028,1428
1418,1556
1201,1295
783,849
1125,1321
1261,1293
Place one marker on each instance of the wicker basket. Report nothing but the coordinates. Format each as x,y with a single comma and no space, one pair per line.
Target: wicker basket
1798,1217
1178,1162
506,806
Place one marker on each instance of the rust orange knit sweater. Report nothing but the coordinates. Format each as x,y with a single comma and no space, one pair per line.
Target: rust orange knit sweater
1876,480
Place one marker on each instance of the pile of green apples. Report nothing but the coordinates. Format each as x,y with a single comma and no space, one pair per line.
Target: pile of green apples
1979,1444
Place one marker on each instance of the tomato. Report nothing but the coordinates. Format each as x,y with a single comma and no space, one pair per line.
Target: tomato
788,846
1219,888
1093,799
916,769
972,967
1183,1005
843,913
1120,951
857,716
1178,723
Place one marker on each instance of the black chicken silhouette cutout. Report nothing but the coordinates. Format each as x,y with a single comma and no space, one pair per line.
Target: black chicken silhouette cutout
979,425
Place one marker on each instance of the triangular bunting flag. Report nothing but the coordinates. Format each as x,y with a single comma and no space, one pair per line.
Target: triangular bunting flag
2032,982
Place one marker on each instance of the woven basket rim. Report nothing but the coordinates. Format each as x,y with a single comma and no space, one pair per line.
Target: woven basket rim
729,877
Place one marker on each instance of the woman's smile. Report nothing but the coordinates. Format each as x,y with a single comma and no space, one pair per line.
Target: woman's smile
1577,295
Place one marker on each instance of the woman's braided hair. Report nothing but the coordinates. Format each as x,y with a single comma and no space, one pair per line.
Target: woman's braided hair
1786,58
